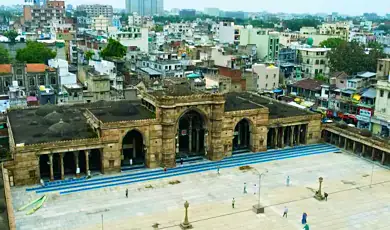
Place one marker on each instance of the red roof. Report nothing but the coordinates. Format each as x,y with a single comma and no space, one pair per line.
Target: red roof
37,68
5,68
309,84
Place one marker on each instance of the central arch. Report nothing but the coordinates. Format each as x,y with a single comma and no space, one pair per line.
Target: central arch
191,135
133,149
242,135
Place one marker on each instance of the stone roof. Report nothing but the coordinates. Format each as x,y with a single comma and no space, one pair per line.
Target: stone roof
309,84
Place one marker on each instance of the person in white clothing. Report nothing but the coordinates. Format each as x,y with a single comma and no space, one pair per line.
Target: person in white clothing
254,189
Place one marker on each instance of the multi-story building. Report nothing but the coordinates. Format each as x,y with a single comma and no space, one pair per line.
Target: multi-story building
28,77
187,13
267,42
341,29
110,69
308,30
134,38
41,17
383,69
96,10
145,7
100,23
179,29
84,22
135,19
116,22
212,12
381,118
162,64
314,61
229,33
262,77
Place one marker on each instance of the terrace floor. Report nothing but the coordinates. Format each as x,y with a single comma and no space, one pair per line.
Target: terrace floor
352,204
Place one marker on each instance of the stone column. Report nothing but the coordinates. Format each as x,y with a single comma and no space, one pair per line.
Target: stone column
345,143
197,140
383,158
62,166
363,149
51,167
299,135
87,162
245,134
339,144
239,135
373,153
292,128
190,135
134,149
354,147
276,140
282,137
331,138
76,158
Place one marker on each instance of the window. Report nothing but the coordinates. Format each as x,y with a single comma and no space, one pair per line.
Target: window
320,70
266,76
317,62
316,71
388,95
380,67
341,82
31,173
381,93
307,70
53,80
20,83
266,85
274,84
274,75
42,80
307,61
322,62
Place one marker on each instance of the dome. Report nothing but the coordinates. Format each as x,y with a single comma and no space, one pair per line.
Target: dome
45,109
310,41
52,118
60,129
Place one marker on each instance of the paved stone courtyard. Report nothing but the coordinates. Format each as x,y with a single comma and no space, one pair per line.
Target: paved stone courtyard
352,204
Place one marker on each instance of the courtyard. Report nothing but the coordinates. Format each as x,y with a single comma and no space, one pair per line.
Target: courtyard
352,203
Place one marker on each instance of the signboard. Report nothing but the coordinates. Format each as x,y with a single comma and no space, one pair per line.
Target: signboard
365,113
183,132
363,118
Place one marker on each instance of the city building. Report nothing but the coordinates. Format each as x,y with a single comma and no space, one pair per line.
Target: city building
134,38
28,77
381,118
341,29
262,77
96,10
314,61
212,12
156,130
161,65
135,19
308,30
187,13
236,14
116,22
100,23
229,33
145,7
40,18
267,42
383,69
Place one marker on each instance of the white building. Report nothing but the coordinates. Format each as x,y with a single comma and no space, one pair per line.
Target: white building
267,77
185,29
135,19
212,12
133,38
96,10
314,61
100,23
219,57
338,28
65,76
229,33
108,68
266,41
381,119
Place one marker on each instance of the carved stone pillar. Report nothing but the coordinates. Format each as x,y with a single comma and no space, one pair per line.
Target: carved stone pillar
373,153
87,161
62,166
345,143
51,167
276,138
190,135
282,137
292,128
197,140
299,135
76,158
383,158
354,147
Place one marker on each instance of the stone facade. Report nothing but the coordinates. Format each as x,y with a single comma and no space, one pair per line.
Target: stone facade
159,135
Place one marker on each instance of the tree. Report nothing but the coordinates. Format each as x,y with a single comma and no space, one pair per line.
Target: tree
88,55
351,58
35,52
11,35
332,42
158,28
4,56
297,24
321,77
375,45
114,49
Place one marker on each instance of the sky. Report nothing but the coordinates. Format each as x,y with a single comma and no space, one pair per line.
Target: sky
350,7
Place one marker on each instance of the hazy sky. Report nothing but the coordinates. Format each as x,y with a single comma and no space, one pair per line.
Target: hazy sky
352,7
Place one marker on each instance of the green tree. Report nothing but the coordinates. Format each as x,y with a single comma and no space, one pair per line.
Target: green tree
114,49
321,77
89,54
297,24
351,58
11,35
375,45
158,28
35,52
332,42
4,56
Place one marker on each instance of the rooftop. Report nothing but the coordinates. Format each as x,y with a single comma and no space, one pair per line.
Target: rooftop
42,124
366,74
309,84
121,111
5,68
315,49
242,101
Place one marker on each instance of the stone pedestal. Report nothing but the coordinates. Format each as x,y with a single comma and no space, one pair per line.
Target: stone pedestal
186,224
257,209
318,194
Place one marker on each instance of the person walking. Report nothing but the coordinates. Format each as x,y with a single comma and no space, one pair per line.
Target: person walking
165,169
233,202
245,192
131,162
285,211
326,196
181,162
254,189
288,181
127,193
218,169
304,218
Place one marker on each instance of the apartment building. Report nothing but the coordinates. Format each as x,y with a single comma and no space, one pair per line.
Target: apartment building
179,29
40,18
381,119
341,29
96,10
135,19
229,33
161,65
383,69
314,61
266,41
100,23
262,77
134,38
